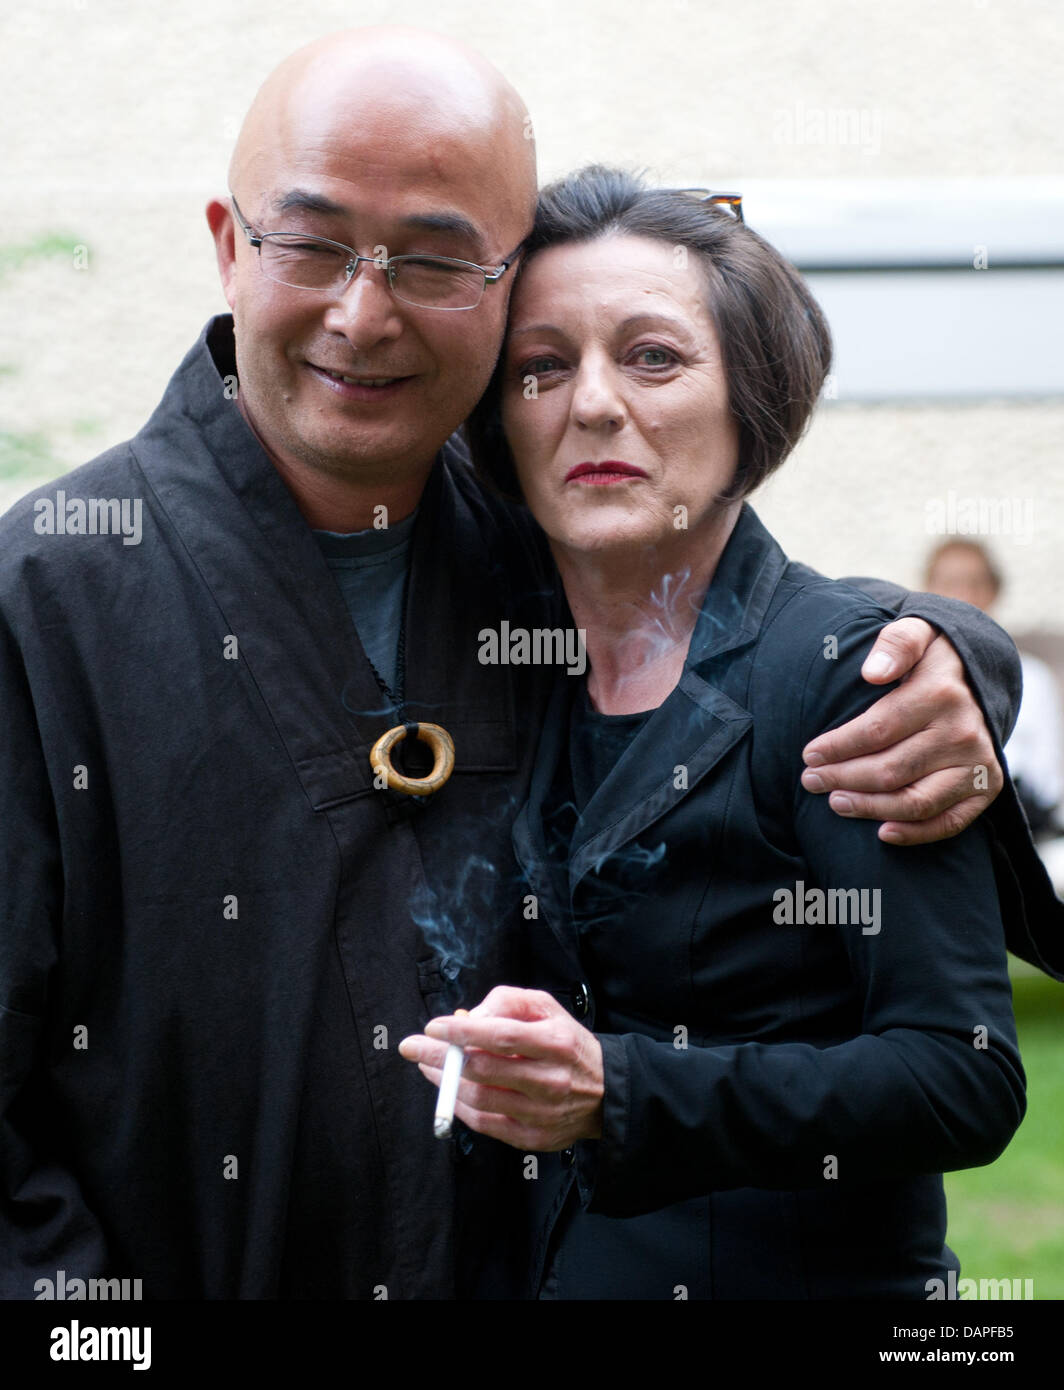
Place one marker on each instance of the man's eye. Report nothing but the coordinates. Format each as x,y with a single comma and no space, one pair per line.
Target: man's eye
302,248
429,263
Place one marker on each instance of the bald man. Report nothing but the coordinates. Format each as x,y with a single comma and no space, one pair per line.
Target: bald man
221,914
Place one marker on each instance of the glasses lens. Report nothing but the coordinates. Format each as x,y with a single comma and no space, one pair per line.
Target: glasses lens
435,284
303,262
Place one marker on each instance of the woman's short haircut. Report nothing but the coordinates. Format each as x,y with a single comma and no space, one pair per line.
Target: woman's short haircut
774,339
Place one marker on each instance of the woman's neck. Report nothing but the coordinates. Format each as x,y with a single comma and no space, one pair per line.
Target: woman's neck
639,609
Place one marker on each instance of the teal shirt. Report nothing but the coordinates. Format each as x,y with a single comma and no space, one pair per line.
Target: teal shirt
370,568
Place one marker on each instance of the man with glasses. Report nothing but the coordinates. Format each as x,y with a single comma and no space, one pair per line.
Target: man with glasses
227,893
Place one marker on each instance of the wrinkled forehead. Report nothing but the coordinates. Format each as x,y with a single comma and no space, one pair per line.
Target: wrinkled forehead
611,274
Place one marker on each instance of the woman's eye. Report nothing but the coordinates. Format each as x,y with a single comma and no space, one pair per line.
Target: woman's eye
655,357
539,366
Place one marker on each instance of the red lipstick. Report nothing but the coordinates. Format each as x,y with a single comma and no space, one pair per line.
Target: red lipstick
606,471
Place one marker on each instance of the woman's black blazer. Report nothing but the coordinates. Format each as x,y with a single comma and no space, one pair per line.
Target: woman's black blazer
782,1093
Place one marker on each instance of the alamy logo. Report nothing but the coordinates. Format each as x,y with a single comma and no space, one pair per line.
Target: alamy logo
842,907
953,1288
77,1343
89,516
538,646
64,1289
859,126
980,516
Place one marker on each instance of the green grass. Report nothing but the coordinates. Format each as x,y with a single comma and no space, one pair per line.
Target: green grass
30,456
26,457
46,246
1007,1220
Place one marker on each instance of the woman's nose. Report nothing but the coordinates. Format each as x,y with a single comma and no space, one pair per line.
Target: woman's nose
597,399
365,311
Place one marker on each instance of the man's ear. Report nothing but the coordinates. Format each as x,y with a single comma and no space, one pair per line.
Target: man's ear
223,229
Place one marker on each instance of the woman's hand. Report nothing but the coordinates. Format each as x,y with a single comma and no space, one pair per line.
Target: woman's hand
533,1075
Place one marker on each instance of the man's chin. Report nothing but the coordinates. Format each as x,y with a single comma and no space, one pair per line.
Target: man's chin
308,438
363,459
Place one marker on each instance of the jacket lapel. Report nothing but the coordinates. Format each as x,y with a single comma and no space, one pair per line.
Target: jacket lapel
681,742
449,601
687,736
274,591
546,871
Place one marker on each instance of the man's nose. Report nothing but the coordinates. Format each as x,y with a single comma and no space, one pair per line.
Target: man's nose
598,401
365,311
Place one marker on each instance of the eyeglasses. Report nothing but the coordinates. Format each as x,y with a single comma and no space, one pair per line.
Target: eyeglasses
731,203
316,263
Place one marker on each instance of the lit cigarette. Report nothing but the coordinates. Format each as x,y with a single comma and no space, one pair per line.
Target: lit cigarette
445,1101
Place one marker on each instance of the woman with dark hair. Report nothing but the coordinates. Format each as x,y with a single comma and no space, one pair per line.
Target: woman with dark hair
773,1037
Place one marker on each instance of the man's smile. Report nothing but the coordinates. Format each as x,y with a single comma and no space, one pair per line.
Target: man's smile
358,387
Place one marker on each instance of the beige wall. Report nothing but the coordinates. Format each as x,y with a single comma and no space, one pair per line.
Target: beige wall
118,120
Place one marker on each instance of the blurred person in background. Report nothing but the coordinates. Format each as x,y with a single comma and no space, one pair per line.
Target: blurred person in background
964,569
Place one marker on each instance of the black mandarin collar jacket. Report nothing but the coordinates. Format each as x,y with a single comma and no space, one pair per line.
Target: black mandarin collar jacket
244,926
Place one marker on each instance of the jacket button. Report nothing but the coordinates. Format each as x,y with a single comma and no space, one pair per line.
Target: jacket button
581,998
568,1158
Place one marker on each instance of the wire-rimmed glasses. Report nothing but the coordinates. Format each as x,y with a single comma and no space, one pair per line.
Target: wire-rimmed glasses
316,263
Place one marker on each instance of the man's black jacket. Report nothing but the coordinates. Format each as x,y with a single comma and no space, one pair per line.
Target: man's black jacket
215,928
